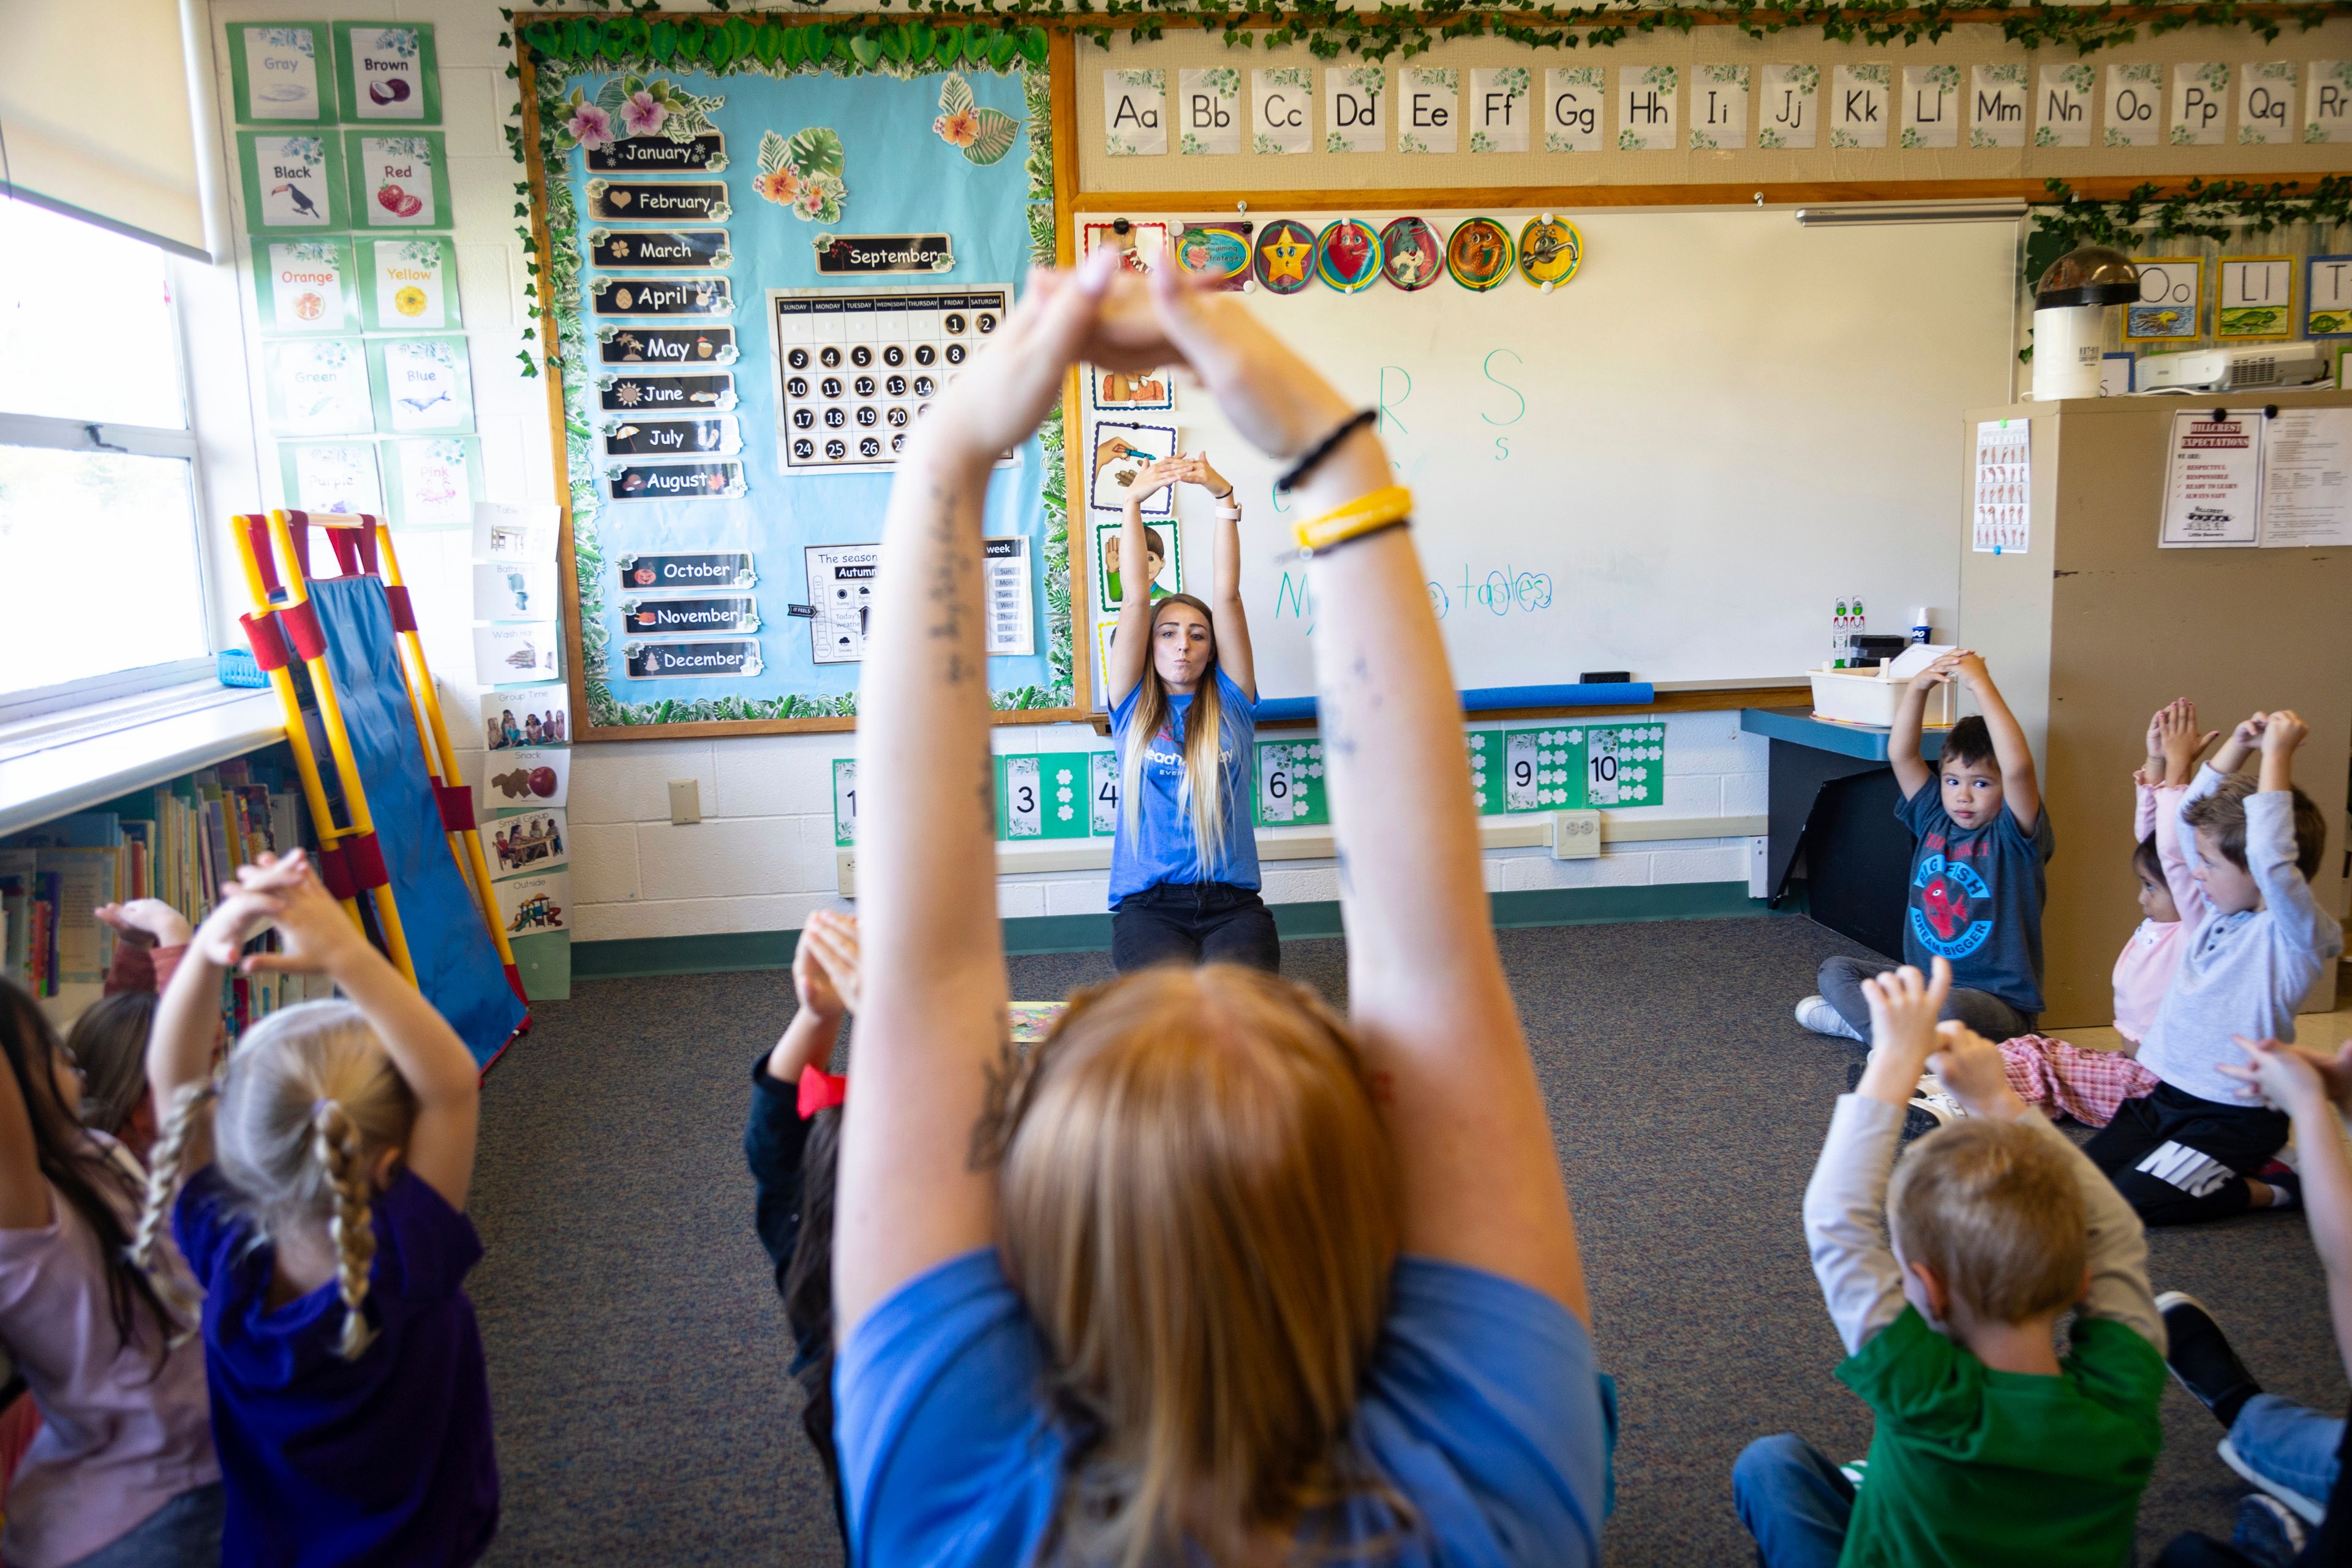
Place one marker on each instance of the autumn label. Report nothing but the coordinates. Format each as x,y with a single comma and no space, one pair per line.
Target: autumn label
657,661
658,248
666,345
686,393
661,297
706,153
685,201
680,482
670,437
656,617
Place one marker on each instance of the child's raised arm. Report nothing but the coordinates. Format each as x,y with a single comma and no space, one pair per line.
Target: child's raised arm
2270,840
1911,770
2317,1093
1481,1179
187,1025
2021,790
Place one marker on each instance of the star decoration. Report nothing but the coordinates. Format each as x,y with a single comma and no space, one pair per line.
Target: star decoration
1286,259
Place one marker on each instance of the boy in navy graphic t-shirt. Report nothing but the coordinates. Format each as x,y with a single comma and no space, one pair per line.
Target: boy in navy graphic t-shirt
1977,877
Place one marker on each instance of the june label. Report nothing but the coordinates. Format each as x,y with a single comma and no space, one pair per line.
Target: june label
669,437
662,661
658,248
666,345
659,154
714,569
652,297
676,481
656,617
683,393
685,201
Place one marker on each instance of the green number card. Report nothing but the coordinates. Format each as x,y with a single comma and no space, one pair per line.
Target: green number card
1038,796
274,70
387,72
1486,748
1290,784
1102,794
844,802
399,180
293,182
422,385
305,286
432,481
1625,765
410,284
1571,767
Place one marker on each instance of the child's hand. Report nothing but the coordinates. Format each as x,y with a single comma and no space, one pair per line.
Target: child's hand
1969,1068
2179,741
147,922
1945,668
1197,470
826,977
2282,732
240,915
1152,478
315,936
1903,1008
2278,1075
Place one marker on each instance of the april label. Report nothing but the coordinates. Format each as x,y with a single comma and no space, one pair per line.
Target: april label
660,618
706,153
709,569
661,297
666,345
676,481
696,201
684,394
658,248
662,661
669,437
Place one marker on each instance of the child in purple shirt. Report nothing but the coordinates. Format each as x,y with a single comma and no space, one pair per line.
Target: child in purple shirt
324,1211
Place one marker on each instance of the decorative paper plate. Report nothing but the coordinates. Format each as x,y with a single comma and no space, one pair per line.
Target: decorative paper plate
1412,256
1479,253
1286,255
1215,251
1348,255
1550,250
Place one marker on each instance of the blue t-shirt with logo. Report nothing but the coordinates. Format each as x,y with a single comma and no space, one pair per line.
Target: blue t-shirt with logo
1976,896
1162,847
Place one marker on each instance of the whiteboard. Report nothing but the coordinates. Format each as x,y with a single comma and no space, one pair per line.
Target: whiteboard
1674,464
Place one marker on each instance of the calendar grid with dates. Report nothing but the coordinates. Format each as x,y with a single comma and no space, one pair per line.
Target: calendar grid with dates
856,369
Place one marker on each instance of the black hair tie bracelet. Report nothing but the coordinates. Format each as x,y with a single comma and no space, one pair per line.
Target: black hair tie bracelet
1322,449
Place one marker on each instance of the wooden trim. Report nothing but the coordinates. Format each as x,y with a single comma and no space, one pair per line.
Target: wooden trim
2101,187
1687,699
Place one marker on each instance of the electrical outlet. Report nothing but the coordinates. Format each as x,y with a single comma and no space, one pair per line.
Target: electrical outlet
684,802
1759,862
1575,835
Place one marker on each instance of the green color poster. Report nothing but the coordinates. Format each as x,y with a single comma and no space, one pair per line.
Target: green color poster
387,72
277,73
293,182
305,286
397,180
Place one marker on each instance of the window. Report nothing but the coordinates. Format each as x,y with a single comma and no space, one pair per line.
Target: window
97,482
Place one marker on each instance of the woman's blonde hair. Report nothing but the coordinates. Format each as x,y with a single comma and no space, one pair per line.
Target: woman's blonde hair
1201,1208
1204,744
308,1100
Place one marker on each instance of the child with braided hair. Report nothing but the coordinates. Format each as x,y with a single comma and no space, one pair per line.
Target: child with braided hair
321,1187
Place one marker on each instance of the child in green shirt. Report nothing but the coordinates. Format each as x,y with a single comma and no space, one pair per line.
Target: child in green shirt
1990,1448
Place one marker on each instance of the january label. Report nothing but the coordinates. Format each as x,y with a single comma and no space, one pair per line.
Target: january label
669,617
685,201
670,438
650,394
720,568
659,247
860,255
661,297
705,154
664,661
666,345
676,481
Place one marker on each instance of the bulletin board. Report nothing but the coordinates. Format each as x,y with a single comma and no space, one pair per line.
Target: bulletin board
770,242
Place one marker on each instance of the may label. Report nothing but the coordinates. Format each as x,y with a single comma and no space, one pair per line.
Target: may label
684,202
717,569
666,345
858,255
662,661
676,481
670,437
658,618
706,153
661,297
684,394
658,248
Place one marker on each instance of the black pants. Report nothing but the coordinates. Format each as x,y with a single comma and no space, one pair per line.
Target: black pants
2178,1159
1193,922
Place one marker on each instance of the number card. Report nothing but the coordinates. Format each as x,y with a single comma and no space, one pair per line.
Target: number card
2257,298
2171,305
844,802
1290,784
1102,794
1624,766
1485,747
2327,297
1571,768
1038,797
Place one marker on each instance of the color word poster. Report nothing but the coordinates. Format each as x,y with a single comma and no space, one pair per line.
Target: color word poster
857,369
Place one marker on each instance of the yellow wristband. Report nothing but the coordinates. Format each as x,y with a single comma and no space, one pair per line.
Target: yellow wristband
1361,516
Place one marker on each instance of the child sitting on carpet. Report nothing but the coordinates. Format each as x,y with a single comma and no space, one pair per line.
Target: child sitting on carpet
2192,1150
791,1141
2054,1077
1990,1446
321,1207
1977,880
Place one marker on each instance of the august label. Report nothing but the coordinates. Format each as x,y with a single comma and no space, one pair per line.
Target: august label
679,481
661,297
651,154
684,394
655,617
658,248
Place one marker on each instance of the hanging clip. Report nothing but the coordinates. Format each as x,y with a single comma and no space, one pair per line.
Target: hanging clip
2270,410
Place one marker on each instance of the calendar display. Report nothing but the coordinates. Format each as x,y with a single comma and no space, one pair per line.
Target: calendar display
856,369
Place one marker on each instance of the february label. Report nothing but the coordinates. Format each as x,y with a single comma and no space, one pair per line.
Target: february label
695,200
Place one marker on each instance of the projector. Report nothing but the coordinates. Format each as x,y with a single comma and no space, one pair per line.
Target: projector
2244,367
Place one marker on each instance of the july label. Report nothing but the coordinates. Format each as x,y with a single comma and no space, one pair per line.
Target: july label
659,661
666,345
669,437
655,618
658,248
652,297
712,569
387,74
684,201
686,393
706,153
679,481
854,255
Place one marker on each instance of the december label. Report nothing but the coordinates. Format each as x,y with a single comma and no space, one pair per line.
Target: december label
685,201
656,617
659,247
661,297
659,661
669,437
666,345
676,481
703,569
683,393
650,154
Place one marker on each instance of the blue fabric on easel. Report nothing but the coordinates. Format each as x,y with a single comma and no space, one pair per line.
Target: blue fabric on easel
457,967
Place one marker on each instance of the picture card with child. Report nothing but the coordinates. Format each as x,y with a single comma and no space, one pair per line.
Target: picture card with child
532,841
1119,453
530,776
1163,547
532,715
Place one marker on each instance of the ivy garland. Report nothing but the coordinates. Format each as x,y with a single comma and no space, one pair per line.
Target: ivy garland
2149,215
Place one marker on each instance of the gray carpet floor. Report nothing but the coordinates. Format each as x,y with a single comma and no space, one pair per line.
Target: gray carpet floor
637,1352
